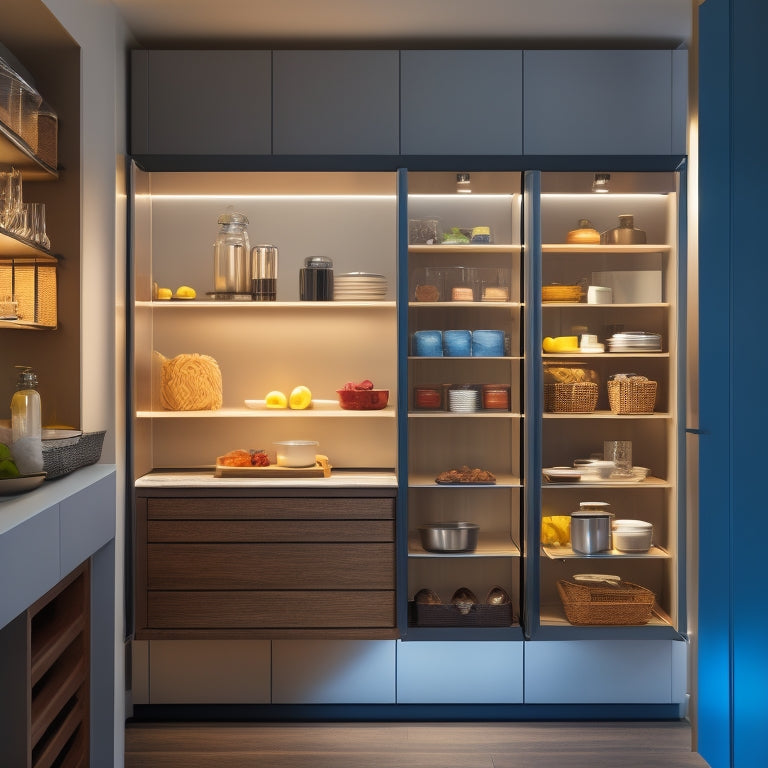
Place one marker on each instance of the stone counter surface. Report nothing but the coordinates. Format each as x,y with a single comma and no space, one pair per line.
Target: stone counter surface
47,532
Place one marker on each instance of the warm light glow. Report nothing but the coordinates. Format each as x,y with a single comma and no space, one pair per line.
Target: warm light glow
267,197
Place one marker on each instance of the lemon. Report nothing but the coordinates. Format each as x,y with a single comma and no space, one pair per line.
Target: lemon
163,294
300,398
276,399
185,292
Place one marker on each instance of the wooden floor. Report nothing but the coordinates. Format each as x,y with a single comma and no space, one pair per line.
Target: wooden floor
411,745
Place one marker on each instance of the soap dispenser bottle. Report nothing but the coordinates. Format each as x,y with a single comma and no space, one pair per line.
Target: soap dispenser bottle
26,423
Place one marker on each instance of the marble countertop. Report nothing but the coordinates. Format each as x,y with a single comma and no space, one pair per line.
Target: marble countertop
205,479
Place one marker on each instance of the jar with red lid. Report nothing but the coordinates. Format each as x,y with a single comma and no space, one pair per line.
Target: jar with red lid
428,397
496,397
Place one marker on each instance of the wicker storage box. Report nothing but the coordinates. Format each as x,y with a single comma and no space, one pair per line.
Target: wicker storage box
625,604
449,615
579,397
561,293
60,457
632,395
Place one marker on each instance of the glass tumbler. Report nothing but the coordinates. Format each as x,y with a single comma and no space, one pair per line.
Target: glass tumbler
620,453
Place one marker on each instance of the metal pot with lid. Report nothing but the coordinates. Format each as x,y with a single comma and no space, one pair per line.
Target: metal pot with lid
591,528
316,279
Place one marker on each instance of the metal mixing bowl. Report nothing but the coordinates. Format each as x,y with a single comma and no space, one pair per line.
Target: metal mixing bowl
449,537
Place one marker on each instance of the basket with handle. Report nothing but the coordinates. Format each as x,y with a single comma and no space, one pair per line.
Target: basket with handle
632,394
625,603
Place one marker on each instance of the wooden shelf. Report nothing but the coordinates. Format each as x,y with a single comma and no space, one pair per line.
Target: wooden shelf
13,246
487,546
466,248
598,248
333,412
566,553
185,305
420,480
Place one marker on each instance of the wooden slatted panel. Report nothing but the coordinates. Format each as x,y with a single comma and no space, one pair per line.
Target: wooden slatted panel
269,508
191,610
271,566
269,530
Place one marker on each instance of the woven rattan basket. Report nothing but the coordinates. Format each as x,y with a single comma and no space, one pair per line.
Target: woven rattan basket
64,456
632,395
627,603
579,397
565,293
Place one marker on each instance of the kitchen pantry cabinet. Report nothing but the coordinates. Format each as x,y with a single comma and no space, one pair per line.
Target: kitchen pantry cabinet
461,102
646,285
610,102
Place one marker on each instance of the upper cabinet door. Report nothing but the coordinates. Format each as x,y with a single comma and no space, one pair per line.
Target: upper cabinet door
602,103
201,102
336,103
461,102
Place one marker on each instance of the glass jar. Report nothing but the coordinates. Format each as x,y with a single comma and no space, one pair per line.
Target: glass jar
231,258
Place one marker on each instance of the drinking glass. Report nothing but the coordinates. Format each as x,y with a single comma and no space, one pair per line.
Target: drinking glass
10,199
620,453
37,225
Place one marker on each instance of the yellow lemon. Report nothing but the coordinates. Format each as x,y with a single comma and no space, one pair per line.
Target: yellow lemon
185,292
276,399
300,398
164,294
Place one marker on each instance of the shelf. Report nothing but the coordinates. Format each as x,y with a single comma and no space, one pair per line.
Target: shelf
566,553
263,306
474,414
553,615
487,546
281,413
604,355
598,248
649,482
457,357
583,305
420,480
20,324
14,151
12,247
466,248
608,415
472,304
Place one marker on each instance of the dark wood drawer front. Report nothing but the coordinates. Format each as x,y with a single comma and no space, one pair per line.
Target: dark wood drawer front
213,531
270,566
270,610
271,508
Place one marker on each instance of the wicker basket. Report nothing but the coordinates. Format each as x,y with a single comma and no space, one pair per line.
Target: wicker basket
621,605
561,293
633,395
448,615
65,456
579,397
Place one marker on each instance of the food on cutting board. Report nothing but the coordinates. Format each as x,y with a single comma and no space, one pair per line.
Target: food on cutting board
466,474
243,458
300,398
8,466
276,399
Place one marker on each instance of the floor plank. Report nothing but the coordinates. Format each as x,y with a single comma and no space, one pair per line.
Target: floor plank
417,745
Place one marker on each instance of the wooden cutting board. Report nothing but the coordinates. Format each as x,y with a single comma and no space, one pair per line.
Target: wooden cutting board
322,468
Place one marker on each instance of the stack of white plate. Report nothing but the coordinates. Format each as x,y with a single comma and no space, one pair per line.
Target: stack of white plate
635,341
359,286
463,400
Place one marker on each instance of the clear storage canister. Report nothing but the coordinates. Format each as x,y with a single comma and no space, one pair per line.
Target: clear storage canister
231,258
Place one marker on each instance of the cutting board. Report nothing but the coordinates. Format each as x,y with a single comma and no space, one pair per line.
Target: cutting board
322,468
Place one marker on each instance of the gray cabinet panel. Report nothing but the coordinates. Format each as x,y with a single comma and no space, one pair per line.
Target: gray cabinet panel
336,102
201,102
461,102
597,102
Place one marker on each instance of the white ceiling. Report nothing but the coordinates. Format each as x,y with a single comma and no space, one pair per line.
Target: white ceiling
408,23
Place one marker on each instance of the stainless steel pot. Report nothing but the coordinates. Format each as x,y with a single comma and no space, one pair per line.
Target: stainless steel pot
590,531
449,537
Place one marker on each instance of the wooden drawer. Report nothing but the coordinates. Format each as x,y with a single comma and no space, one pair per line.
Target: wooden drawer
220,531
286,508
271,610
270,566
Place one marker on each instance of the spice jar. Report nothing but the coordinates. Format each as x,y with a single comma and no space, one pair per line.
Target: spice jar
496,397
428,397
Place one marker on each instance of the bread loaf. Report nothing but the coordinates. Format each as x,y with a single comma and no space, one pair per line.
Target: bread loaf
190,382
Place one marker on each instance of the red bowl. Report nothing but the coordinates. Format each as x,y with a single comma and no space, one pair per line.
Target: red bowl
363,399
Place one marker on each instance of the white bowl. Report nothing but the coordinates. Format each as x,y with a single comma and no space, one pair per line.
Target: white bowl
632,535
296,453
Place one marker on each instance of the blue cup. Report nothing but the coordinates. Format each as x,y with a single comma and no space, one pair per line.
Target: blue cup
488,344
457,343
428,344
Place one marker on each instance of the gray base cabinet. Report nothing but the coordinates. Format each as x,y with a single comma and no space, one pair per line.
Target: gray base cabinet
461,102
336,102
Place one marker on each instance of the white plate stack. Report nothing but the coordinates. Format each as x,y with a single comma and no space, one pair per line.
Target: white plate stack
359,286
635,341
463,400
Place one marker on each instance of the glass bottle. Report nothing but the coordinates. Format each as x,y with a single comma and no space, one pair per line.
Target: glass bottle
26,423
231,258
